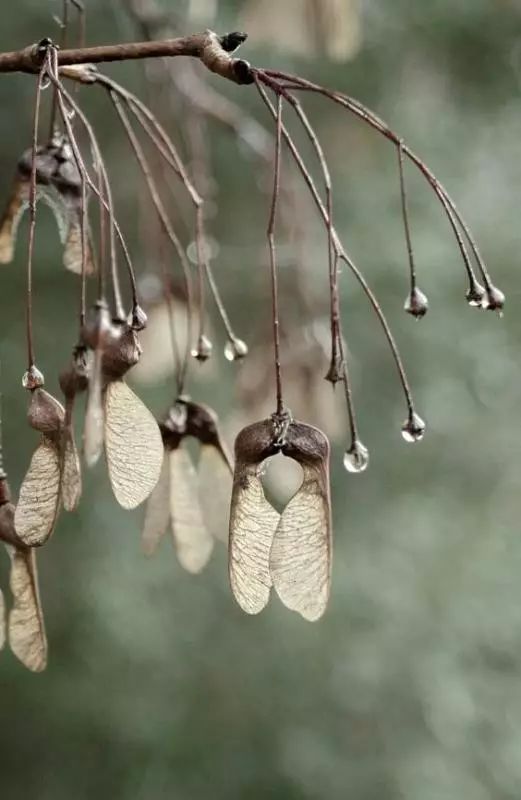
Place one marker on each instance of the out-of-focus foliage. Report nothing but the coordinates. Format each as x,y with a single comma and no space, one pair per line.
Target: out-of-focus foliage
158,686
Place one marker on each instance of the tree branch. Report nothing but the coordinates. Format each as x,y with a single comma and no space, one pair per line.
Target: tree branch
213,50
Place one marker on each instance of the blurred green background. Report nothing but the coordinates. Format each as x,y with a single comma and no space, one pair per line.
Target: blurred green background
157,685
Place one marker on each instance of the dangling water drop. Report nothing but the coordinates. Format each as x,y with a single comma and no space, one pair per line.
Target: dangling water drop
413,428
204,348
235,349
138,318
417,303
495,299
475,295
33,378
356,459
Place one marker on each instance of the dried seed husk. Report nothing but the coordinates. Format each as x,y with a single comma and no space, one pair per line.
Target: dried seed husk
45,413
193,541
157,512
133,445
253,520
300,557
26,630
39,498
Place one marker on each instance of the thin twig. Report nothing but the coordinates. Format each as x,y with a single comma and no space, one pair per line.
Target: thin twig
32,216
342,253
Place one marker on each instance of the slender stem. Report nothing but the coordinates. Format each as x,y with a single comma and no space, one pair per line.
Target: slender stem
340,250
115,229
273,260
199,245
32,215
337,341
170,233
363,113
405,215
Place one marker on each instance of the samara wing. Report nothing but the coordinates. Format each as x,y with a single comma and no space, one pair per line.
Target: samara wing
133,445
192,539
215,490
38,502
252,519
70,472
157,512
300,558
2,620
26,629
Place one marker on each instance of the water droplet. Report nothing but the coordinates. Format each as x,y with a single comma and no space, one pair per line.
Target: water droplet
416,303
413,428
475,295
203,351
33,378
235,349
356,459
138,320
495,299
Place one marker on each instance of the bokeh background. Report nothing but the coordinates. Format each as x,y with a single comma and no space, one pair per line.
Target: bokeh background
158,686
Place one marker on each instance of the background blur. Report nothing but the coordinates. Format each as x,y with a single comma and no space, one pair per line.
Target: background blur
158,686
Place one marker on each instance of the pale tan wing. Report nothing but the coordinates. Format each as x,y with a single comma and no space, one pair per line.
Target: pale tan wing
2,620
94,427
215,491
38,502
192,539
252,526
300,558
133,445
71,473
11,218
72,253
25,624
157,512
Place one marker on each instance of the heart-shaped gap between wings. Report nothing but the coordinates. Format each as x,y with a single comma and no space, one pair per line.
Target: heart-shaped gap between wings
291,551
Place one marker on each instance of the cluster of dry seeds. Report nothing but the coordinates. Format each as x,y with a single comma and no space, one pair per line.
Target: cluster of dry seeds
212,498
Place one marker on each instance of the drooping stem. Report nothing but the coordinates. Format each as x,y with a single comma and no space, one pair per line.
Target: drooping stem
450,208
171,235
272,253
32,215
107,204
405,215
166,149
339,249
338,368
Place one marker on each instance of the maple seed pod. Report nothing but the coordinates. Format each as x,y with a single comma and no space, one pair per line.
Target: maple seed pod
495,299
413,428
235,349
475,295
416,303
25,625
33,378
204,348
45,413
8,533
138,319
122,351
98,327
290,551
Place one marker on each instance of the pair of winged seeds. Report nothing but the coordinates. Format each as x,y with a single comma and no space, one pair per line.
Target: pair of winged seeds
193,502
291,551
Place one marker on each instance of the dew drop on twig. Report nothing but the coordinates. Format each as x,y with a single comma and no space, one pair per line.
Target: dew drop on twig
235,349
416,303
356,459
33,378
413,428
